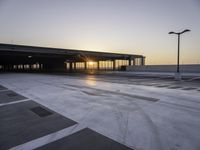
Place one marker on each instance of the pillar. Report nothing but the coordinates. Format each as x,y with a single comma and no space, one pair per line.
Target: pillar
97,65
129,61
114,64
70,66
133,61
74,65
85,65
143,61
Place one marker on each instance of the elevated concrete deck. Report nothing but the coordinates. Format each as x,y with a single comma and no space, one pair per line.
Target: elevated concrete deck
136,112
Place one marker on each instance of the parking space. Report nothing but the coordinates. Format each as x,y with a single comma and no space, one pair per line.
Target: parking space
10,96
26,121
85,139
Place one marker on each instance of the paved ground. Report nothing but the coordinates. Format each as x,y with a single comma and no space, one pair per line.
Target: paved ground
127,111
21,124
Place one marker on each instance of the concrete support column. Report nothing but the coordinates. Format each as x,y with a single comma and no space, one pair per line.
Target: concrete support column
11,68
133,62
143,61
40,66
85,65
129,61
97,65
114,64
74,65
30,66
70,66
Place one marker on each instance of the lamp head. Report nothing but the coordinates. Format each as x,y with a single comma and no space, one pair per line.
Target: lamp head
171,32
186,30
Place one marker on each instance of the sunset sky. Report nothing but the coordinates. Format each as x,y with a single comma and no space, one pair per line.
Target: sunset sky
122,26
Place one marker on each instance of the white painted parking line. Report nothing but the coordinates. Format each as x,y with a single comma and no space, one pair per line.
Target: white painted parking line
10,103
4,90
194,78
49,138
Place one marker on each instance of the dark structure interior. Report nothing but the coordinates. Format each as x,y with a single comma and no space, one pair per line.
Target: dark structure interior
44,59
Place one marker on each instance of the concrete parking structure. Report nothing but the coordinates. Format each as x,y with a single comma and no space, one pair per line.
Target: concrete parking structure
136,112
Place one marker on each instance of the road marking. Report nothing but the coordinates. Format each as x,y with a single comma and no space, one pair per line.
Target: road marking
194,78
49,138
4,90
15,102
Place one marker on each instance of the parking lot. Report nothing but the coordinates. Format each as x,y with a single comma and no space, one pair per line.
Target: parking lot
76,111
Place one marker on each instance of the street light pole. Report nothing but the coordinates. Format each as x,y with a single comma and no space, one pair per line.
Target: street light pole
178,53
178,56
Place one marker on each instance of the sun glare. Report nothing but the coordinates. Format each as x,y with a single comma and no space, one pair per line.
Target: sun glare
91,63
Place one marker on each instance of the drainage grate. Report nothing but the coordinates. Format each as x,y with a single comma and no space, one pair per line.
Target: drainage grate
94,93
189,88
139,97
156,84
41,111
12,94
175,87
162,86
148,84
